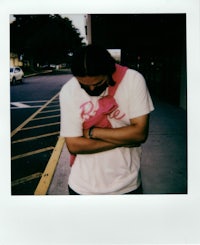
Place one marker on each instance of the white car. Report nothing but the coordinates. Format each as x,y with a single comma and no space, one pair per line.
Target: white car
16,74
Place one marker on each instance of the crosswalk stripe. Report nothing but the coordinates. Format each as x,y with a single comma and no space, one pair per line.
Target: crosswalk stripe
32,153
35,137
20,105
26,179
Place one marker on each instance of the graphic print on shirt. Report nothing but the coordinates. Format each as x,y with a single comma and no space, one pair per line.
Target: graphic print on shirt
107,107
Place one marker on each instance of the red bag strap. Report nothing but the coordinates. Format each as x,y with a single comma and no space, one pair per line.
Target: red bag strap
117,77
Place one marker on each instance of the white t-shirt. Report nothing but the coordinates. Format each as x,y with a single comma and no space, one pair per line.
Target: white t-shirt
114,171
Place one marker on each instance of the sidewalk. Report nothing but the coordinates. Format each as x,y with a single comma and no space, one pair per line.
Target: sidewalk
164,162
163,167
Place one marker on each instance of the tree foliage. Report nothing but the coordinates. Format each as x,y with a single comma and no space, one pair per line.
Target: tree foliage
44,39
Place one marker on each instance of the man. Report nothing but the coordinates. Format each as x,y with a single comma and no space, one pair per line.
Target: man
104,119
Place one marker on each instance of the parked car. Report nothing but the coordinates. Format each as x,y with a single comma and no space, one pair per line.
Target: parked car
16,74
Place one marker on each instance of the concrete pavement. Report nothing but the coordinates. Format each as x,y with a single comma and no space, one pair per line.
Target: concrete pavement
164,159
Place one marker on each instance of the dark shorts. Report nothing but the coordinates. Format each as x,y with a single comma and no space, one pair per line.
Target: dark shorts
137,191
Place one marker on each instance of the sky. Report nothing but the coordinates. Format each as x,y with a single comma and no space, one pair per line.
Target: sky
78,20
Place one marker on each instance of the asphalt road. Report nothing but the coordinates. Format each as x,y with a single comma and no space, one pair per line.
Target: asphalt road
34,91
35,124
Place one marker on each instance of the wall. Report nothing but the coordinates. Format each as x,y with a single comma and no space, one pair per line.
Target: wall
154,44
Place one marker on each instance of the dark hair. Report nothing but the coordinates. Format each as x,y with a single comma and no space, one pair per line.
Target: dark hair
92,60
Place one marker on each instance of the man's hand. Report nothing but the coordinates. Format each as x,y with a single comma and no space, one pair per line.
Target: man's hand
86,133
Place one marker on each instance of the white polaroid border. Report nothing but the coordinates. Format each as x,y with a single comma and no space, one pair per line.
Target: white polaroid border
146,219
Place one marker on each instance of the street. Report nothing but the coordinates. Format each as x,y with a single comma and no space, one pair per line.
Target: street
35,121
38,89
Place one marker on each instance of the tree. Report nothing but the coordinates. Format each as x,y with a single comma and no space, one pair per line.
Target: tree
44,39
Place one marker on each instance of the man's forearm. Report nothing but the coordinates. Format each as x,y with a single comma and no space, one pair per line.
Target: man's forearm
104,139
128,135
81,145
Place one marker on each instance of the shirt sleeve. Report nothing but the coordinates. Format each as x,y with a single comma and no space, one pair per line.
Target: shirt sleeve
140,102
70,123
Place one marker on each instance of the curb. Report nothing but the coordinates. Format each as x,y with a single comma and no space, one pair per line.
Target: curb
48,174
37,73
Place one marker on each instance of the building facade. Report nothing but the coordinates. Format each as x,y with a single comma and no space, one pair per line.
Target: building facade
154,44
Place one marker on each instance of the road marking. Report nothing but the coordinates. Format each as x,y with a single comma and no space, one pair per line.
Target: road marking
26,104
47,176
35,137
26,179
31,101
40,126
20,105
40,118
32,116
49,111
52,106
27,107
56,102
32,153
30,107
